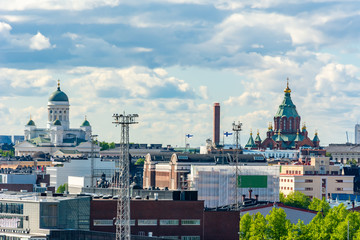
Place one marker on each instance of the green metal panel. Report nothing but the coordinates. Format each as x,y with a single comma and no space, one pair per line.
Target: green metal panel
252,181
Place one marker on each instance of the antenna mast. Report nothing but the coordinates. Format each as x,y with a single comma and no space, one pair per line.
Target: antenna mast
122,179
237,129
93,141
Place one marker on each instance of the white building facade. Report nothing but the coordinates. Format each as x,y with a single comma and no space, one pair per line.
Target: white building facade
57,134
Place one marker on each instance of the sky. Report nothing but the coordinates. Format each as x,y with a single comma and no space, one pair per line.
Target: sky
170,60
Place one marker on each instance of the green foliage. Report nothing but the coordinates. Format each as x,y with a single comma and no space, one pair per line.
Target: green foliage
277,224
112,145
140,161
351,162
327,154
319,205
330,224
245,224
296,199
105,145
62,188
9,153
258,227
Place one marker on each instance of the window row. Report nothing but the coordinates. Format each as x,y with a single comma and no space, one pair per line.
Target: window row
293,172
286,180
16,208
149,222
286,188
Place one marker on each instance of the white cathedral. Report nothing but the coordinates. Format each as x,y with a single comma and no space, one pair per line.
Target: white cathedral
57,139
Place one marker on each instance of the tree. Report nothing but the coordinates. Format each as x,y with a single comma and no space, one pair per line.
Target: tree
112,145
298,231
296,199
353,221
257,227
314,228
335,216
351,162
277,227
104,146
140,161
62,188
245,224
319,205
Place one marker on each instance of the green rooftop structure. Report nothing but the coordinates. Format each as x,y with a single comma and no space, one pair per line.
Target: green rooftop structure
251,144
58,95
287,133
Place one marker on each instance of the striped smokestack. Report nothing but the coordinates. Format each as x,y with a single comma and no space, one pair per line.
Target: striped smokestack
216,136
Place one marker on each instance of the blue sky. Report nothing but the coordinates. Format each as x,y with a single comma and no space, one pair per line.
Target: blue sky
170,60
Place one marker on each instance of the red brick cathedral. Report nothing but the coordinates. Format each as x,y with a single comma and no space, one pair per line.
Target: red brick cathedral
286,133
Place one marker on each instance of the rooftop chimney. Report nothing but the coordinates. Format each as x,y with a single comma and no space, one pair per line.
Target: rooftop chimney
216,136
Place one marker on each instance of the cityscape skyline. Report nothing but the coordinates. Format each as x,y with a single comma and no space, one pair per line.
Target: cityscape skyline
170,61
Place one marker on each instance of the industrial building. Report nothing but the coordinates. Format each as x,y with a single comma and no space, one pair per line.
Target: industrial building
171,170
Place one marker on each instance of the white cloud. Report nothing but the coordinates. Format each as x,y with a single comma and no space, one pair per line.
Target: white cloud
39,42
55,4
4,28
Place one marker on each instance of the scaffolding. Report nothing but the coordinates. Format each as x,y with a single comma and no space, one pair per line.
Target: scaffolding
215,184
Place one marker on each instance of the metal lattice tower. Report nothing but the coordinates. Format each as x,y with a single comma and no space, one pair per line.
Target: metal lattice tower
92,155
121,177
237,129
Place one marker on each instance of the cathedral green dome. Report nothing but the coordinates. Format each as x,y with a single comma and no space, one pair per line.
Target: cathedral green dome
85,123
57,122
58,95
30,123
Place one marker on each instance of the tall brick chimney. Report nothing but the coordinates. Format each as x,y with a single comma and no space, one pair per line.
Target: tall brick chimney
216,137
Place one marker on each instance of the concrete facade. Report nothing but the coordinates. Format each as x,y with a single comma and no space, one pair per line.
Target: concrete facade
316,180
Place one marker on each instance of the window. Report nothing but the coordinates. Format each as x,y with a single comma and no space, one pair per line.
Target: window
147,222
190,237
103,222
169,222
132,222
170,237
339,180
308,189
14,208
190,222
339,189
308,180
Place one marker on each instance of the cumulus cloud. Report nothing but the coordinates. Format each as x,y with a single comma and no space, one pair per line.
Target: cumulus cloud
133,82
19,82
39,42
22,41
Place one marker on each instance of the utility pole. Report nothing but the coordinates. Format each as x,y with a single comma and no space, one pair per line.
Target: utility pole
237,129
92,154
122,180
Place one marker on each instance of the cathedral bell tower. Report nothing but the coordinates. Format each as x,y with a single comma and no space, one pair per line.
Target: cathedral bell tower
58,108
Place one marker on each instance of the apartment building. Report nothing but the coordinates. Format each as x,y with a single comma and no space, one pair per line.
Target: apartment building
318,179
